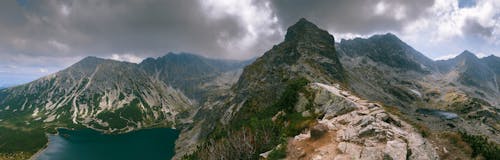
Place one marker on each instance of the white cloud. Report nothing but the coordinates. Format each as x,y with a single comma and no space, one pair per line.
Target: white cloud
43,70
400,13
449,29
347,36
380,8
446,57
126,57
65,10
258,20
59,46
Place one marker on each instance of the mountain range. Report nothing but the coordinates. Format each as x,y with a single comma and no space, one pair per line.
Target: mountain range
371,95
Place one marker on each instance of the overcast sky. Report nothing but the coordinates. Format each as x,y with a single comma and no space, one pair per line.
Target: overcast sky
38,37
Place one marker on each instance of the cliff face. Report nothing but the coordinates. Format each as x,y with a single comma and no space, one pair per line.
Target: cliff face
307,52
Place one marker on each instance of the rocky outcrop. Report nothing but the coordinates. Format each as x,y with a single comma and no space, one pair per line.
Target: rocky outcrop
358,130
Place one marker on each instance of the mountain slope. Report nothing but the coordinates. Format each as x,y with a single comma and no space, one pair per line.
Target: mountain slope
389,50
92,90
383,68
194,75
276,99
468,70
307,52
462,85
267,86
494,63
104,95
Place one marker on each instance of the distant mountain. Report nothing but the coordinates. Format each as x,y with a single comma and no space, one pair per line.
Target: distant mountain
190,73
493,62
469,70
97,93
384,68
389,50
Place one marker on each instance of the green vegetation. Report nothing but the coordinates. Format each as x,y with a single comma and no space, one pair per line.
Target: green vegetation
263,127
278,153
17,143
115,118
121,96
481,146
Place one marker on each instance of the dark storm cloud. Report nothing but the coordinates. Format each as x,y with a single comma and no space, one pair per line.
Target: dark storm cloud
474,28
353,16
95,27
69,28
42,36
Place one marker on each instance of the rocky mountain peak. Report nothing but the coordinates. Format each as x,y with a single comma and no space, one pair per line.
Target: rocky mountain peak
493,62
471,70
90,60
305,30
389,50
389,37
307,52
492,57
467,55
189,72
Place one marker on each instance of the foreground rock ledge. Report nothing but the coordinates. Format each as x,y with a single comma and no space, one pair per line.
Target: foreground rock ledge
357,129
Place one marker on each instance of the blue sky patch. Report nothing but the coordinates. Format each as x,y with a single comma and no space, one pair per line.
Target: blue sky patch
466,3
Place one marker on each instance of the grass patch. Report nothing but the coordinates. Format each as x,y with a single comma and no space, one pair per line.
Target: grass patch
278,153
255,124
481,146
15,141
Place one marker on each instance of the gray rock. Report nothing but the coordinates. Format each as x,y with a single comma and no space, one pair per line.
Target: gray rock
372,153
367,131
396,150
351,149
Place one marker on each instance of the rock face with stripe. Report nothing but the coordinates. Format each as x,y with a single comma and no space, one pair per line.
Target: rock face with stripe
105,95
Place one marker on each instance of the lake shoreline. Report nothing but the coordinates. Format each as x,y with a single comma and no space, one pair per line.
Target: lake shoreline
41,151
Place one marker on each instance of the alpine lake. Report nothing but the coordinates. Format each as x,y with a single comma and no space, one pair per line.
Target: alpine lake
87,144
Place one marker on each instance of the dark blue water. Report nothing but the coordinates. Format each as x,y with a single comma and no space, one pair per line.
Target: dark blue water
87,144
